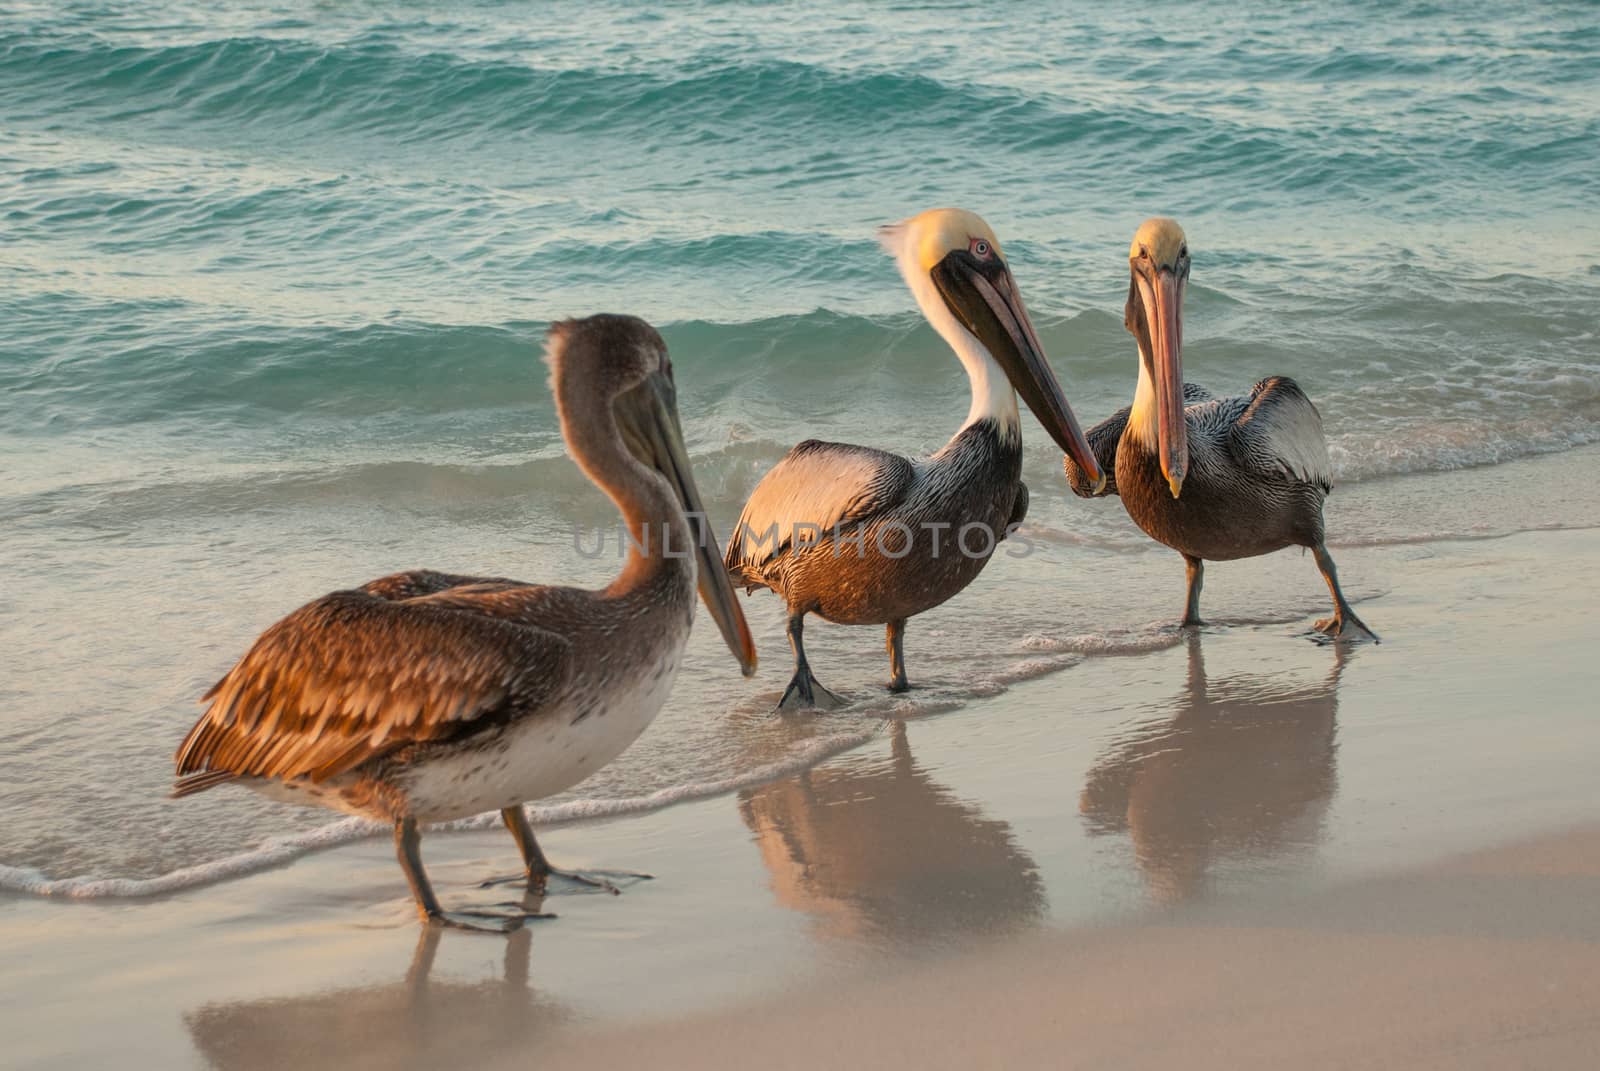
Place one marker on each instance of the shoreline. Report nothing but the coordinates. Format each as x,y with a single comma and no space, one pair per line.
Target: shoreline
1111,602
1501,490
283,280
1227,771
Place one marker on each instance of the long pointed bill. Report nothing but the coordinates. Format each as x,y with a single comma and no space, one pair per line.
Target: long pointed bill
1164,312
716,590
1000,321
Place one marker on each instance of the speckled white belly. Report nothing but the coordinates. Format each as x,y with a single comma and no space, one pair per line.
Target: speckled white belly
543,755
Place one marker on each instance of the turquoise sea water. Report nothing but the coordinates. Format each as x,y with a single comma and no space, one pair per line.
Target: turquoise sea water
273,278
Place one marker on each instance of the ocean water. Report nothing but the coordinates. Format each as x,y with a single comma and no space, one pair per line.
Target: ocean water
273,279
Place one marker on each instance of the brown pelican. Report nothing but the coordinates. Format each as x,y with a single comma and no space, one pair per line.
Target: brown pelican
860,536
424,697
1252,470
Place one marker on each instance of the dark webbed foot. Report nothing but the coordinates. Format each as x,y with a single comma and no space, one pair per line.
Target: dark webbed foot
600,879
507,921
805,692
407,841
539,881
537,871
1346,626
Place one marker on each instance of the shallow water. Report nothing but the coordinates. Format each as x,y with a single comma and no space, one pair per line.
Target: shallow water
274,279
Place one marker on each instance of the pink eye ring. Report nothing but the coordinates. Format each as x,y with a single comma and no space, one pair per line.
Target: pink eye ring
980,247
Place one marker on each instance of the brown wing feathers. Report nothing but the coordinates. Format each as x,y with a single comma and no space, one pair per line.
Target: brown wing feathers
409,585
353,675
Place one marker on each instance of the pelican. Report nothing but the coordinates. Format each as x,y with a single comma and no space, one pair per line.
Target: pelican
1212,478
425,697
863,537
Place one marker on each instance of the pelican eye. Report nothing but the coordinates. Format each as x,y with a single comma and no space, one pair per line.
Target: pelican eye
980,248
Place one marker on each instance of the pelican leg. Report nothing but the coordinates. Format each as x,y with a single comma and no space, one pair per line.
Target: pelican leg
804,691
516,820
538,869
1196,569
407,842
1343,616
897,656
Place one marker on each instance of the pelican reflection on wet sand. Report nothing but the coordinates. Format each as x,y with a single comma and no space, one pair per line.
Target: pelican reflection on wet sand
860,536
1215,479
881,851
1243,771
418,1022
425,697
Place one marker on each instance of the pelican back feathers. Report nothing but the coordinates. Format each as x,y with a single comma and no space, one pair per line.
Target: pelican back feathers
817,488
1281,432
355,676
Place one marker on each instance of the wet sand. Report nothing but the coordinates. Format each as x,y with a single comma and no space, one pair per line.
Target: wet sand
1224,851
1488,961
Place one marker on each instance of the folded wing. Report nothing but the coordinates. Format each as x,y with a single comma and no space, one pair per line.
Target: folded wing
355,675
819,486
1280,434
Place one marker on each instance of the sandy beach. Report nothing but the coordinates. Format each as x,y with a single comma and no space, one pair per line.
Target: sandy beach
1241,848
278,282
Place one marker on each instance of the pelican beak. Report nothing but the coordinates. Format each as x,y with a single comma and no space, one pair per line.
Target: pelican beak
669,457
1162,293
984,297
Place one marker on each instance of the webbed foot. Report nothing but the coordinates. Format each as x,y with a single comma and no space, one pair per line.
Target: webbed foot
805,692
485,921
1346,626
539,881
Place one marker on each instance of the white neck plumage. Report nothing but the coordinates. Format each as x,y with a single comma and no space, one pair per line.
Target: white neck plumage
992,396
1142,419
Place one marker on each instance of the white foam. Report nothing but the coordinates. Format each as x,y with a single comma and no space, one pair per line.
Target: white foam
274,851
1041,654
1417,446
1111,642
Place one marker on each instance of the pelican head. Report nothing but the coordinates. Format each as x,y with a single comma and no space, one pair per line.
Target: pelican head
1158,263
952,261
623,360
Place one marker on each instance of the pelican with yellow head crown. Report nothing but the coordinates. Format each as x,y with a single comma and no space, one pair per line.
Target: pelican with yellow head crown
859,536
1212,478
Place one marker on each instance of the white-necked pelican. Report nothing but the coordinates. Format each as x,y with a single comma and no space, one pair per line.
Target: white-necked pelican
425,697
860,536
1212,478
